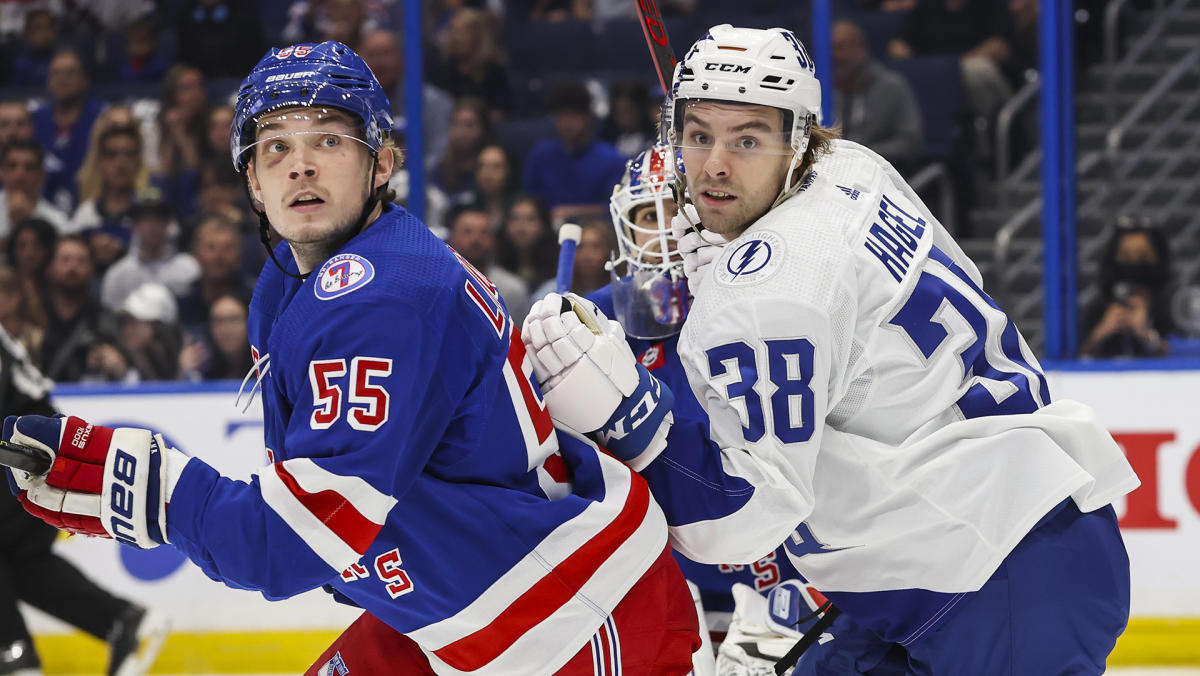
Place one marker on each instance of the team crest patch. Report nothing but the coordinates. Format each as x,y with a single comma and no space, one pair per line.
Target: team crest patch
752,260
342,274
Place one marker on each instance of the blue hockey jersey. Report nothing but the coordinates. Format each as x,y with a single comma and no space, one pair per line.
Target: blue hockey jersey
414,467
715,581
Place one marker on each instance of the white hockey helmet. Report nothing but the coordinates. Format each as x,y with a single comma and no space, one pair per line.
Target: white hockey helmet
748,65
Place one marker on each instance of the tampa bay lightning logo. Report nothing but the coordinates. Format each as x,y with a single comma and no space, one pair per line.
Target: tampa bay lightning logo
342,274
751,260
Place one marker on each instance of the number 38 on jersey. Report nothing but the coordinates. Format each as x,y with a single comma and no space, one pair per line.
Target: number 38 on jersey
789,369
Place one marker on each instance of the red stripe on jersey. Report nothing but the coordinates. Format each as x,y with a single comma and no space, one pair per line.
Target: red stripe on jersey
557,468
549,593
542,425
335,511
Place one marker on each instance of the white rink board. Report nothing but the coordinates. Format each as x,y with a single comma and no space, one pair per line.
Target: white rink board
1155,415
204,423
1159,410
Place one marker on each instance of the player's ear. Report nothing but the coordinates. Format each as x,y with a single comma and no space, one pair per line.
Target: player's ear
252,182
386,165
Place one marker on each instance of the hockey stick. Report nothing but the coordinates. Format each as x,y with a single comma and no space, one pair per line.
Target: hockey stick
810,637
569,235
660,53
25,458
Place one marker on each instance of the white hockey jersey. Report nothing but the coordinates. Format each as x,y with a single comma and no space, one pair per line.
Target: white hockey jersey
896,429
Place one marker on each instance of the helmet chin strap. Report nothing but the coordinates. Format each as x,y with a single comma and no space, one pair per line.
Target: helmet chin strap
264,226
788,189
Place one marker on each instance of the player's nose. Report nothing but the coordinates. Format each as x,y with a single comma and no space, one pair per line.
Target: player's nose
717,161
303,164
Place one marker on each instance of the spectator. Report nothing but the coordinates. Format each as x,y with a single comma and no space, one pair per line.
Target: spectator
152,258
16,124
216,139
141,60
552,11
526,244
29,249
112,175
150,335
630,126
384,54
874,106
221,194
183,135
182,121
223,353
64,125
470,130
474,238
346,21
31,63
977,31
217,249
575,168
21,313
595,250
495,184
108,363
220,37
23,174
1132,317
470,63
73,314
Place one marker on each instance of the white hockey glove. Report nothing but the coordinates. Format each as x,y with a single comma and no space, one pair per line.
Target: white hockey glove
699,249
591,381
764,628
103,482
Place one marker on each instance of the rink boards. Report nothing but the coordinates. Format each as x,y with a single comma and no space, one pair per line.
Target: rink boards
1153,414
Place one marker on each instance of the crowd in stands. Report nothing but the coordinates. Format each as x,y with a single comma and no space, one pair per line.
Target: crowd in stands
130,246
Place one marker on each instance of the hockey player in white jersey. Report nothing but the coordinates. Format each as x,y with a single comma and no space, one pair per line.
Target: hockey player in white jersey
895,429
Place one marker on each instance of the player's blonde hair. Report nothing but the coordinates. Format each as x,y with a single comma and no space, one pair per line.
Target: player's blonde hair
820,142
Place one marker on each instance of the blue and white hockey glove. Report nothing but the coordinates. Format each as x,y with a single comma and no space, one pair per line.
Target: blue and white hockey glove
103,482
591,381
764,628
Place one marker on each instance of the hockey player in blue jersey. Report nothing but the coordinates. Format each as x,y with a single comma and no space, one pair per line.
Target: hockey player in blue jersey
414,469
648,296
888,423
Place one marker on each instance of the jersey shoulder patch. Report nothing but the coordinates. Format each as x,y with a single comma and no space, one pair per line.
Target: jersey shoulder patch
752,260
341,275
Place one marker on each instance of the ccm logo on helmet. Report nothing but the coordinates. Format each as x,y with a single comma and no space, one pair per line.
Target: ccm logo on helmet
727,67
123,497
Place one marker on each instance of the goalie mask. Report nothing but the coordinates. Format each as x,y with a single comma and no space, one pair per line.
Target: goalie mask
751,66
650,294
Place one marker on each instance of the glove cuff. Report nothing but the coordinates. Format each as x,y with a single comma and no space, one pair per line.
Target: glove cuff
637,431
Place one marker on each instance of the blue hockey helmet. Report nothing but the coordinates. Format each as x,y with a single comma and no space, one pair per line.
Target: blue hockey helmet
328,75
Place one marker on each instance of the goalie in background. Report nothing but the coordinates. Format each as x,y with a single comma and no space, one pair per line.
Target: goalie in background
31,572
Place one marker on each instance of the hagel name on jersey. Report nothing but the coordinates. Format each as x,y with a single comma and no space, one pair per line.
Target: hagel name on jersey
894,237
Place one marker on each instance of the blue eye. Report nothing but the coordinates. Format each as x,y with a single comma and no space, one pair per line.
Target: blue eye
330,141
276,147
